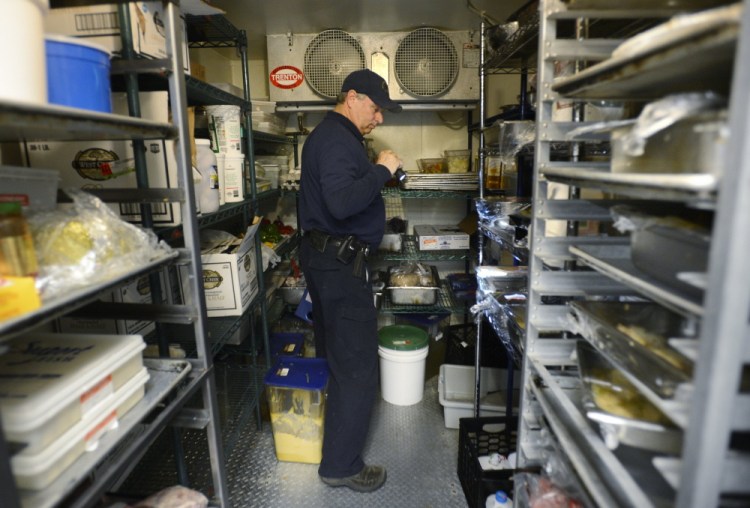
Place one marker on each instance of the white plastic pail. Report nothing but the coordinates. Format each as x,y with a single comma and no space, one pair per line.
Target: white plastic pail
22,51
402,350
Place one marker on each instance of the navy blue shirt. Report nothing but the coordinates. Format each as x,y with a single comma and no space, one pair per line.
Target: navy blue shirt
340,188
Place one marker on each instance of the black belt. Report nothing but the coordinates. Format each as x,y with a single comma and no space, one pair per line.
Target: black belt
346,248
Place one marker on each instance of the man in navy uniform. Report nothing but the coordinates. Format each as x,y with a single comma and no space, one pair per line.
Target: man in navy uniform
342,216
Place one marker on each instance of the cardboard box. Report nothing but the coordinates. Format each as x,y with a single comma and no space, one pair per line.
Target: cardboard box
110,164
441,238
100,24
137,291
230,279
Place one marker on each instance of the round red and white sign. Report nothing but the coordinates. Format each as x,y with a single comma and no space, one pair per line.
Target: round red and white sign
286,76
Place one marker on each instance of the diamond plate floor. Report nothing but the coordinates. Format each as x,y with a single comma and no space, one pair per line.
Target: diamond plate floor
419,453
412,442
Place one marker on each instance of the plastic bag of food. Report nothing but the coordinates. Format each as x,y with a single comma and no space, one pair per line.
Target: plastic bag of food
87,244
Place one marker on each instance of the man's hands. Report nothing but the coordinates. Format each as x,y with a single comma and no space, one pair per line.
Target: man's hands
390,160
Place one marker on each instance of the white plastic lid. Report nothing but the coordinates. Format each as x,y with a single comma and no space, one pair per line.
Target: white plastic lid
37,463
202,141
44,372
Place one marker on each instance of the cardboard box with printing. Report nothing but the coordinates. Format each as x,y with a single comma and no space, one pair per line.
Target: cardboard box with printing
110,164
137,291
100,24
230,276
441,238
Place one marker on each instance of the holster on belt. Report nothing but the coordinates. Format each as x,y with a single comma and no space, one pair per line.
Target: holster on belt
348,248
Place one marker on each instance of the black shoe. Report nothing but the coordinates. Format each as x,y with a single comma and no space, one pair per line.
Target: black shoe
369,479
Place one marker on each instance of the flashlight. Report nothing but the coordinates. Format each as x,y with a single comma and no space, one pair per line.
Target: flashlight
400,175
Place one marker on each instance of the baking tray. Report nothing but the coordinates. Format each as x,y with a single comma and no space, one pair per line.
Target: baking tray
697,61
606,386
615,262
635,336
415,295
671,5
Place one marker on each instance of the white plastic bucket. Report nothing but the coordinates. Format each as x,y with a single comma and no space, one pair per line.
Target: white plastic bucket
225,129
402,375
22,51
402,350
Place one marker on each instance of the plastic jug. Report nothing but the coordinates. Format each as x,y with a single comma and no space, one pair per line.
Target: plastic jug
498,499
208,190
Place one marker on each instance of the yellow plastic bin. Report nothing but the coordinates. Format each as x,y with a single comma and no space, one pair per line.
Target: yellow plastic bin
296,390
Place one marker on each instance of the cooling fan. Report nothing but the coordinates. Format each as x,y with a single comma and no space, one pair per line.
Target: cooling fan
329,58
426,63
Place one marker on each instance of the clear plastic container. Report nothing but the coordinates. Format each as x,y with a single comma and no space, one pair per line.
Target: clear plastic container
435,165
457,160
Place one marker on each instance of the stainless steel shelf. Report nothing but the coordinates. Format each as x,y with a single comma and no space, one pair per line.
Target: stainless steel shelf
607,481
74,299
426,194
445,302
699,189
165,376
410,252
29,122
614,261
704,62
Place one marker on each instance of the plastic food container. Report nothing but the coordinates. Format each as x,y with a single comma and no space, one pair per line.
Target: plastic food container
36,471
22,51
78,73
696,144
403,352
636,335
295,389
437,165
52,381
623,414
286,344
414,294
457,160
456,392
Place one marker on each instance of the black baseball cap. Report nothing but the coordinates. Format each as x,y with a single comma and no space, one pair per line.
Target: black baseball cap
367,82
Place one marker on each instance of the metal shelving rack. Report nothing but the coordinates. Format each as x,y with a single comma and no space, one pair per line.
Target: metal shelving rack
711,467
172,383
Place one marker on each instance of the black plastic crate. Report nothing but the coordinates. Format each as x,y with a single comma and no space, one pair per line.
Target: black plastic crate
483,436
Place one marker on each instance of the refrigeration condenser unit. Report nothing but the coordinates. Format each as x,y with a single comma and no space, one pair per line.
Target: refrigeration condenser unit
425,64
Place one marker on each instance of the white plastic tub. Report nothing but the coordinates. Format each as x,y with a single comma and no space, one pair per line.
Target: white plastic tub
22,53
403,351
52,381
456,392
35,471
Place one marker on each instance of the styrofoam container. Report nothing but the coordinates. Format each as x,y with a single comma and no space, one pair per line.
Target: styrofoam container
456,392
51,381
22,54
36,471
78,73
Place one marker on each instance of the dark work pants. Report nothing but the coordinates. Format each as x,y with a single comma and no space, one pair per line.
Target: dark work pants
345,326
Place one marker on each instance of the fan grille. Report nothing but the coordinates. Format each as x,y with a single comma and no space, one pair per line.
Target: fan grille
329,58
426,63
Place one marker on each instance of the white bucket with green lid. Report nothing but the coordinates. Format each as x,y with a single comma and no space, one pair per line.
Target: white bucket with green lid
402,350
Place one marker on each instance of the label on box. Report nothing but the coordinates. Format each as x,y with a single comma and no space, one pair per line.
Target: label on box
111,164
441,238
